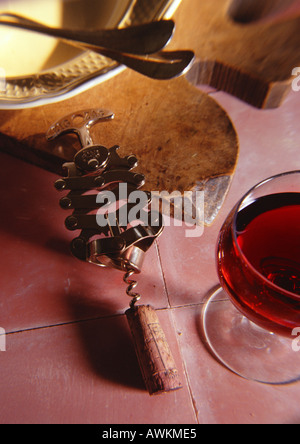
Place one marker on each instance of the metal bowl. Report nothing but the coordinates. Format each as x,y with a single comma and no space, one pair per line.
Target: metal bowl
38,70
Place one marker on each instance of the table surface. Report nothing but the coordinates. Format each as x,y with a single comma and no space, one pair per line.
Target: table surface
69,356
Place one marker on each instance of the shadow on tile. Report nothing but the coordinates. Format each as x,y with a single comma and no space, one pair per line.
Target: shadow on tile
30,204
107,346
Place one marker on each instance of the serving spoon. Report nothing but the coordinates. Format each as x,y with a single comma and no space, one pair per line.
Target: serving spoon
162,65
140,39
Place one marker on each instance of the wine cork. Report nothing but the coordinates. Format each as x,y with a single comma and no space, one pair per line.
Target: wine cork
153,352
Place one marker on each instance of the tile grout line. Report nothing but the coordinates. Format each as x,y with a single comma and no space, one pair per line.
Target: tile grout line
61,324
162,273
77,321
170,310
184,366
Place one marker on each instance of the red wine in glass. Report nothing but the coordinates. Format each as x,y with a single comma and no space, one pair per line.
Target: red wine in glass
250,323
261,271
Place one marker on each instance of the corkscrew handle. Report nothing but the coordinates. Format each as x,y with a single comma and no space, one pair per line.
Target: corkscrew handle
79,123
153,352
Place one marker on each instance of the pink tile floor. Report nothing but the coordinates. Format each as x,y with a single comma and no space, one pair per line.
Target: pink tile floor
69,357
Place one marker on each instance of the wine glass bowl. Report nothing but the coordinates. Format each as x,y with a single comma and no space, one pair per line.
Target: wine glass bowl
258,263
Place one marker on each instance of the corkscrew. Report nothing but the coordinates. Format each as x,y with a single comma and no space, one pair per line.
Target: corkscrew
98,181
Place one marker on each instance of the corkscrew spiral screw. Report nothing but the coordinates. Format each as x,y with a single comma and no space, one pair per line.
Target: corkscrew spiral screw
131,286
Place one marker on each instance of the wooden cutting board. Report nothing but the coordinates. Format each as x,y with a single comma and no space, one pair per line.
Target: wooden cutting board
182,138
242,46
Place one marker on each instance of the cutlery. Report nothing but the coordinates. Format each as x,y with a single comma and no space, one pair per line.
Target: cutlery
162,65
141,39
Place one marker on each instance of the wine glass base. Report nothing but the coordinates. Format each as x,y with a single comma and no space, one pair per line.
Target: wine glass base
246,349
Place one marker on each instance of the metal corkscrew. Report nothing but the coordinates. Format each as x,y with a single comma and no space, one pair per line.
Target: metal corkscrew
107,239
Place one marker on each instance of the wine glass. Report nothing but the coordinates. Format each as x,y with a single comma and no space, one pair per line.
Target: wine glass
252,323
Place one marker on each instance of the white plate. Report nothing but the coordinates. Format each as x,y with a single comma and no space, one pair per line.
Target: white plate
36,70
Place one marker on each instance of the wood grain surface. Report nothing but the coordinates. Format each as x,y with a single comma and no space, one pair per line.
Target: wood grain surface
242,46
181,136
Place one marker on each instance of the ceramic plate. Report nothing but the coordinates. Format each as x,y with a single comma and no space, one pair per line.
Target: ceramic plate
36,70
